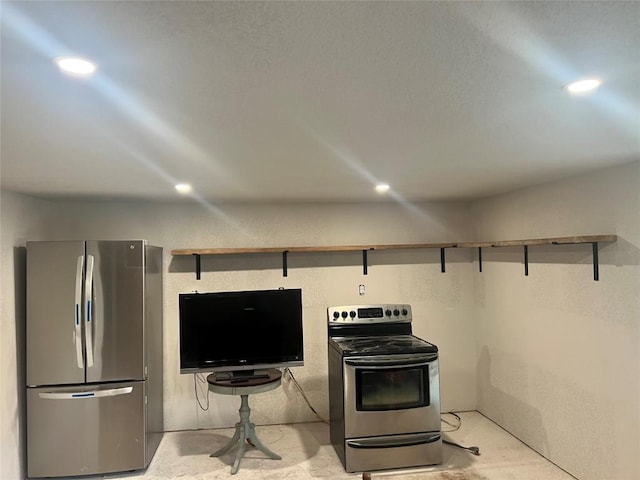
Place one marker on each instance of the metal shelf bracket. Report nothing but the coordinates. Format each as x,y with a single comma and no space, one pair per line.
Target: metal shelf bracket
284,263
365,269
198,269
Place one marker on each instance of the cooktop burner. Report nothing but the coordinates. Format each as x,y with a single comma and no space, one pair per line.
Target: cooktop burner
382,345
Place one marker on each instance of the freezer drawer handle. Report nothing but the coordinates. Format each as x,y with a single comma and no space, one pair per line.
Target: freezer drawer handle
112,392
386,443
77,320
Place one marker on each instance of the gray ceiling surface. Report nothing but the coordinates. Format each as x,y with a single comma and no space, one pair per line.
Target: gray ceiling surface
314,101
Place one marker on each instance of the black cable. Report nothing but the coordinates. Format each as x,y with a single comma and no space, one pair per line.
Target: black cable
198,378
455,426
474,450
295,382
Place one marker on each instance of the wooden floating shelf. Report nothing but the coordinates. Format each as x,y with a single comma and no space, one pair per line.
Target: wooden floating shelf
400,246
545,241
592,239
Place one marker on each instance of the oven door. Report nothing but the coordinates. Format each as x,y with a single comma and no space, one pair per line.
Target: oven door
388,395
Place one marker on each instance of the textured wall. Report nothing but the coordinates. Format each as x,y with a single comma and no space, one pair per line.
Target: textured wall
557,360
442,302
21,218
558,353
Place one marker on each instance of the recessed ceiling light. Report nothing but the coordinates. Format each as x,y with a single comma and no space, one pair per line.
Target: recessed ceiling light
76,66
583,86
183,188
382,188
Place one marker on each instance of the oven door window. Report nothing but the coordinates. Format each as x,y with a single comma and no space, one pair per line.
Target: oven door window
392,388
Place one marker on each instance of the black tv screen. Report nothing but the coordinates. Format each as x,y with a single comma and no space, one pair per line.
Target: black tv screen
240,331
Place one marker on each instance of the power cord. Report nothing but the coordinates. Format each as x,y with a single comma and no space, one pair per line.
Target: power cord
474,450
200,378
289,373
456,426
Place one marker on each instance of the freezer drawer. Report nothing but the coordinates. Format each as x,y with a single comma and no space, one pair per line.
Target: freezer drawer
85,430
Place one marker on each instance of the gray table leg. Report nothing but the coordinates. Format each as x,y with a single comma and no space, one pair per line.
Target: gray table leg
230,444
245,431
258,444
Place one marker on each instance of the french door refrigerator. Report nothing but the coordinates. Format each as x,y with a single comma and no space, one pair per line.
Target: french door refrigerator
93,356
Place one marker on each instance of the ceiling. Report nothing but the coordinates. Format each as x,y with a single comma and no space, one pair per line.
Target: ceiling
314,101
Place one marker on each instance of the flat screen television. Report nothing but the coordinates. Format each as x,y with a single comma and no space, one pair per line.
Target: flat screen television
241,332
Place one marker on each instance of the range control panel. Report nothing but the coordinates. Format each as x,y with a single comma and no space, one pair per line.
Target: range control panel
385,313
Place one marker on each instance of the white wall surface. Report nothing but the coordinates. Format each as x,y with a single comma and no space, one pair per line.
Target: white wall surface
553,357
21,218
559,353
441,303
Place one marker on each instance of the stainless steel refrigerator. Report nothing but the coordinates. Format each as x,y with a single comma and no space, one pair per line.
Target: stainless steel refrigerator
93,356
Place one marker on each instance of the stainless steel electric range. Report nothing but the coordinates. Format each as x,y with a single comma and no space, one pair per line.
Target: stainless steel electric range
384,389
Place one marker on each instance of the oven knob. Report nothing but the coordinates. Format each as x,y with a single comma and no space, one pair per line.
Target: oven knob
396,312
387,312
344,314
352,314
336,315
404,311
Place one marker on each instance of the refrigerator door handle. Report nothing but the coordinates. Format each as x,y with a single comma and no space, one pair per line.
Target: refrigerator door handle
111,392
77,311
88,292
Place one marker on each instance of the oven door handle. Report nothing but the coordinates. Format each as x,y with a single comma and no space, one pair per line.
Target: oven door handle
380,363
388,443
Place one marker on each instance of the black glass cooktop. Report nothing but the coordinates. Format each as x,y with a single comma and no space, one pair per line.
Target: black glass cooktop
382,345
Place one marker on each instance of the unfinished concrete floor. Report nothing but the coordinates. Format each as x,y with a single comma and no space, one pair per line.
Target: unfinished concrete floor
307,454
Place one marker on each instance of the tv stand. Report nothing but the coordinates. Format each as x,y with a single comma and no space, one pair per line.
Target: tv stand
244,385
241,376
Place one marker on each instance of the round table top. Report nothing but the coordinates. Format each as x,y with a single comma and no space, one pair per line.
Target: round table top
236,385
